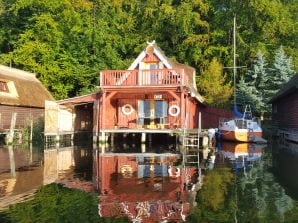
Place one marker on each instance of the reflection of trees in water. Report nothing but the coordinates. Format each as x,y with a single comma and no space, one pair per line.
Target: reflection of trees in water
216,199
260,197
56,203
254,196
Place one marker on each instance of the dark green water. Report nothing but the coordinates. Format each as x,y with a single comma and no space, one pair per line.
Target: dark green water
240,184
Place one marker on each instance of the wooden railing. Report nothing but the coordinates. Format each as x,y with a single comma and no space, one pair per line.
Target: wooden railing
152,77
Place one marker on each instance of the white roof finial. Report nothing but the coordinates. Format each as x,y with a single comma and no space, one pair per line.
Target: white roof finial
151,43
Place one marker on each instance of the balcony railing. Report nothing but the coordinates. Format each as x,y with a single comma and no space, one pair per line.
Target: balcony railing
152,77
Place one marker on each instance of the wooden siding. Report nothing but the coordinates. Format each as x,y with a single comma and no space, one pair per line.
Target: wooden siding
24,115
210,116
285,112
111,114
84,117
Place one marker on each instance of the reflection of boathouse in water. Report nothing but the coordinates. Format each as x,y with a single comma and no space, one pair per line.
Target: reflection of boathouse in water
154,95
147,187
144,187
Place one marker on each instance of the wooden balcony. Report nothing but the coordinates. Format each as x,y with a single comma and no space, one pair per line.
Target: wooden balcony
142,78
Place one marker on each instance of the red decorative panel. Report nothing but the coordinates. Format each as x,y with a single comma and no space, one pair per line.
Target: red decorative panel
151,58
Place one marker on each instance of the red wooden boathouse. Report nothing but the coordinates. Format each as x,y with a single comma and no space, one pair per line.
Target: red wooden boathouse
154,95
285,110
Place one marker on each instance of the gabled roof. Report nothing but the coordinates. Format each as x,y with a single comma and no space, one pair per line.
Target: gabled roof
24,89
169,64
288,88
155,50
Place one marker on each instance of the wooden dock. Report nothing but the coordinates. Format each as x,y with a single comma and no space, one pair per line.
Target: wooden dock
8,200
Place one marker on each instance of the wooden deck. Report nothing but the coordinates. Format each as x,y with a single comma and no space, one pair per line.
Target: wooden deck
142,78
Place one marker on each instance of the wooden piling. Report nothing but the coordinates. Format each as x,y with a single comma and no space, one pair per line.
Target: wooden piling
9,136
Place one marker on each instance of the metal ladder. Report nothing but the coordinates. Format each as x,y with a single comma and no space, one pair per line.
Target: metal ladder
247,112
191,143
248,115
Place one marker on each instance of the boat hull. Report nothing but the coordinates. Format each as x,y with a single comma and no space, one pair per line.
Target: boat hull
240,136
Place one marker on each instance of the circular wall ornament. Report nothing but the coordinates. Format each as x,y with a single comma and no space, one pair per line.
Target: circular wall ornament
174,110
127,109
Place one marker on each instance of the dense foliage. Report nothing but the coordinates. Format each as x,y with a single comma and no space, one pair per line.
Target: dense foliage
67,42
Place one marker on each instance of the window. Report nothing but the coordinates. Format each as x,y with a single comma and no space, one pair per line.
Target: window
3,86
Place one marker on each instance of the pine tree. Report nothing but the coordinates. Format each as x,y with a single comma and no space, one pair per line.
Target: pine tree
275,77
250,88
282,68
261,83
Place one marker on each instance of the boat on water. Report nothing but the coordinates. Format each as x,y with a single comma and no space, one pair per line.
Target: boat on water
242,127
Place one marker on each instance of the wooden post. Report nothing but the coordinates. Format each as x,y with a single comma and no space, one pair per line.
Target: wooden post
9,137
143,147
11,161
102,138
31,129
200,122
143,138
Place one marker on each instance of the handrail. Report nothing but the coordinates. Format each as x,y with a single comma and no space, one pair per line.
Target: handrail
150,77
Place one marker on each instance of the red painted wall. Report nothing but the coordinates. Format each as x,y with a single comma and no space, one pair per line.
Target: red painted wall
285,112
210,116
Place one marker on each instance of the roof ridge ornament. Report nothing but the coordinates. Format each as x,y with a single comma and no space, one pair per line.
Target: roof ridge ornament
150,47
151,43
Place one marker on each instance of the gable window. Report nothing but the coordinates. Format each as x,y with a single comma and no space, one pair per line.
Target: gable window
3,86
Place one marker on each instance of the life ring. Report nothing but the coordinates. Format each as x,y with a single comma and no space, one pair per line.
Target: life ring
127,109
172,110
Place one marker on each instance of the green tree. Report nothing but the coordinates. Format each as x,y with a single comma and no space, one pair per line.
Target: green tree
262,82
261,25
213,84
66,43
251,86
54,44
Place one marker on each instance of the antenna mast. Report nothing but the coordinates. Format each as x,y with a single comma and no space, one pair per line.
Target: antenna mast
234,58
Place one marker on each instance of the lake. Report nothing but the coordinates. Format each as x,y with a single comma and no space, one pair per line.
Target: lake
235,182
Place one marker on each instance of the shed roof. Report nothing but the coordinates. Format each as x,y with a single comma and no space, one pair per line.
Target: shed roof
288,88
24,89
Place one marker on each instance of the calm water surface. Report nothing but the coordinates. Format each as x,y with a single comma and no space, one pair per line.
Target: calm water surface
155,184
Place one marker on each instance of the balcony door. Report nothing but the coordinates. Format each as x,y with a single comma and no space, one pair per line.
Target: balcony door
147,76
152,112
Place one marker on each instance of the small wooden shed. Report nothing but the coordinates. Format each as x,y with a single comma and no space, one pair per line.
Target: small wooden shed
285,110
21,93
72,116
